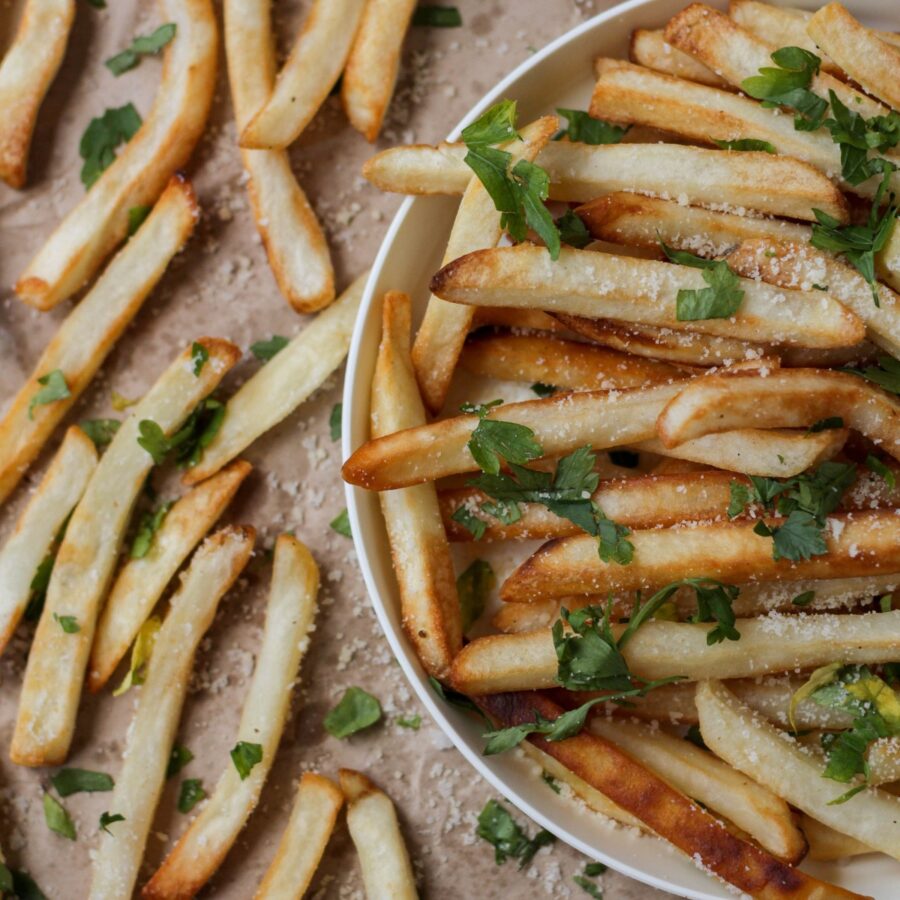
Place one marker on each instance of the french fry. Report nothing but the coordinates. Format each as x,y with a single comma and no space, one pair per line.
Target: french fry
89,332
603,285
649,48
698,774
213,569
29,67
140,582
754,747
371,70
289,617
310,72
635,95
826,844
564,364
429,603
283,383
441,336
372,822
581,172
662,808
49,507
788,398
84,564
859,51
713,39
887,260
90,231
303,842
660,649
295,245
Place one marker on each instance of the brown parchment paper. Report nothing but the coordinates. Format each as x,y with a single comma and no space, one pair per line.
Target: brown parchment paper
221,285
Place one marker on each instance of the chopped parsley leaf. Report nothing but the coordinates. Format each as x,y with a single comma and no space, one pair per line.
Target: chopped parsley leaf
101,138
190,794
356,710
54,388
572,230
144,45
473,587
100,431
57,818
199,357
334,421
136,217
265,350
245,755
747,144
585,129
341,524
107,819
76,781
150,523
437,17
69,624
497,826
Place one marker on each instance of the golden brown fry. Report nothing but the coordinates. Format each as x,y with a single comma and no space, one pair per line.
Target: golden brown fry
649,48
308,75
29,67
90,231
49,507
371,70
303,842
429,604
140,582
84,564
826,844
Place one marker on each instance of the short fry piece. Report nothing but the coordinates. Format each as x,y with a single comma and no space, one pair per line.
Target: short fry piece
213,569
303,842
775,759
141,582
49,507
91,329
283,383
289,617
29,67
84,565
372,821
310,72
650,49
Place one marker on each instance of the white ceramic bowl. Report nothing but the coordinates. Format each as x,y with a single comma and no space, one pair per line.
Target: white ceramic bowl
559,75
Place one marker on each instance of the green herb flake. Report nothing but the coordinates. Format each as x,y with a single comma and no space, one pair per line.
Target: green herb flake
265,350
551,782
137,215
497,826
474,525
543,390
585,129
826,425
494,441
886,374
77,781
101,138
145,45
334,421
100,431
107,819
69,624
572,230
150,523
804,599
437,17
341,524
245,756
414,723
199,357
54,388
747,144
473,587
356,710
190,794
588,886
874,464
886,603
178,759
787,84
57,818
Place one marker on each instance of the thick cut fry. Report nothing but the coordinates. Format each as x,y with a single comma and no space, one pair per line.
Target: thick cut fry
289,618
78,246
49,507
827,844
713,39
286,223
213,569
91,329
649,48
698,774
788,398
664,809
776,643
283,383
603,285
775,759
303,842
859,51
84,565
308,75
372,822
441,336
563,364
141,582
635,95
29,66
429,604
371,70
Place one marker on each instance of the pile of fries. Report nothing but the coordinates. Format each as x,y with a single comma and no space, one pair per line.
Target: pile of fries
707,313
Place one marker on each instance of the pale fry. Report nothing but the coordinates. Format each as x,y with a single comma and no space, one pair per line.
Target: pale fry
429,604
89,332
419,169
527,661
283,383
775,759
371,70
29,67
443,331
827,844
635,95
752,807
308,75
286,222
140,582
860,52
884,760
213,569
604,285
303,842
84,565
372,822
90,231
649,48
290,613
47,510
